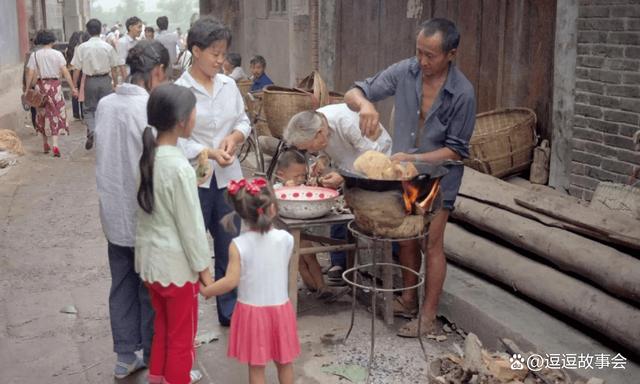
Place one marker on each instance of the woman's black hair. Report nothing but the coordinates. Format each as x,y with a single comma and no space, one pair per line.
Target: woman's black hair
143,57
206,31
76,39
254,210
45,37
168,105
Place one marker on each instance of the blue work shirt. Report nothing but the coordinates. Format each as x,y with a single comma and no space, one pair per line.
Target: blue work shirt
260,83
449,123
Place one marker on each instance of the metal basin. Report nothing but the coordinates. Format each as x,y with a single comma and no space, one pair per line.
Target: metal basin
305,202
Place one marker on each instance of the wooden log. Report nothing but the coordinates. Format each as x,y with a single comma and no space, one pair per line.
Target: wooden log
615,271
499,193
615,228
597,310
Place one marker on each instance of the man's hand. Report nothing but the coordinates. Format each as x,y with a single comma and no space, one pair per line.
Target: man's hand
220,156
369,119
331,180
401,156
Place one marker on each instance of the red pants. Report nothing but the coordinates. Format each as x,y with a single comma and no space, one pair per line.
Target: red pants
175,325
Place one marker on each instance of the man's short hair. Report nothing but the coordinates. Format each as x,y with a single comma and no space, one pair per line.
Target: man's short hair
45,37
234,59
133,20
290,157
162,22
257,59
450,34
149,29
94,27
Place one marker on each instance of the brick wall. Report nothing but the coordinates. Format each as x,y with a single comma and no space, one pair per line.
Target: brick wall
607,109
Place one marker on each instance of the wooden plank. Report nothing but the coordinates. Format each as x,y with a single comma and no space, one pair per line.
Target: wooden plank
327,248
593,308
486,91
616,228
539,95
614,271
491,190
468,15
326,220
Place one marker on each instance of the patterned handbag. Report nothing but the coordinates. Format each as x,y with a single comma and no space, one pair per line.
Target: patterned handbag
32,97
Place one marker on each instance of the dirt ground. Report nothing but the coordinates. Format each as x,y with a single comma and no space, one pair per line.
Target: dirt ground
53,254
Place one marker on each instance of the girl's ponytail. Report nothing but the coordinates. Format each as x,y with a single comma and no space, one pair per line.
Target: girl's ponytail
145,192
264,220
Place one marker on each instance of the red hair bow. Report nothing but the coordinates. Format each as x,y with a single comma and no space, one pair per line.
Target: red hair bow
235,186
253,187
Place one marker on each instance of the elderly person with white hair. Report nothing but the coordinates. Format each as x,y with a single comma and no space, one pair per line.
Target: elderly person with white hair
334,131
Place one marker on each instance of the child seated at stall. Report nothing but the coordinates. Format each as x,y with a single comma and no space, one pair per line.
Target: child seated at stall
292,171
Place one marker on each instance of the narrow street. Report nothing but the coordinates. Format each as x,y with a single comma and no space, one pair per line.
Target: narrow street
53,255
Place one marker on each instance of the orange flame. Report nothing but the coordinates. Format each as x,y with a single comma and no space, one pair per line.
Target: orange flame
425,204
410,195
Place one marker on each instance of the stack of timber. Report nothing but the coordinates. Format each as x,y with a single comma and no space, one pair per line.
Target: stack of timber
581,262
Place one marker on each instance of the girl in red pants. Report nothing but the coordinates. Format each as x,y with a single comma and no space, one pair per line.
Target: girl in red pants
263,325
171,252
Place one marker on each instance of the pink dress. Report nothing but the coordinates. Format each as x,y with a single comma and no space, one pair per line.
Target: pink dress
263,325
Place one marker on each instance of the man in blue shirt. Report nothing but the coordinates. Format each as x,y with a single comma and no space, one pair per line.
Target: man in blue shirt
435,109
260,79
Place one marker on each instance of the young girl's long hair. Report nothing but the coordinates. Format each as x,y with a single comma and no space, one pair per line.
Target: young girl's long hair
168,105
252,207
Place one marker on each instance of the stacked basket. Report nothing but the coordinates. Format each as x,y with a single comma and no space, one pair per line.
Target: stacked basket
503,141
280,104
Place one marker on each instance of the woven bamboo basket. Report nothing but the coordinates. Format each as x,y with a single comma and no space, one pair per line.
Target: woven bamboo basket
280,104
254,106
503,141
244,86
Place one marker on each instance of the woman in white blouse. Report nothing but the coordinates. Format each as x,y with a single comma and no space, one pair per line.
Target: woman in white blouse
221,124
46,66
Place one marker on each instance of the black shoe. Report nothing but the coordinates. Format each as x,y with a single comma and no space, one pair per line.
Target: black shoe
89,143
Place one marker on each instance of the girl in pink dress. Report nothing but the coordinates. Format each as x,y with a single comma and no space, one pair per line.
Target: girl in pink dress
263,325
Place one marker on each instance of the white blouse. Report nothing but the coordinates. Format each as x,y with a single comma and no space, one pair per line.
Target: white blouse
49,62
217,116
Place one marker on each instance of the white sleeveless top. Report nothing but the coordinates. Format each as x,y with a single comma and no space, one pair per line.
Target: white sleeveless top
264,267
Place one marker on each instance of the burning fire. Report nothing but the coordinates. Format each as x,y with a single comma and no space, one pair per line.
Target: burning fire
412,193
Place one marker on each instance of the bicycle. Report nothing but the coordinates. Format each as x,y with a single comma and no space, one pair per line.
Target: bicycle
252,143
